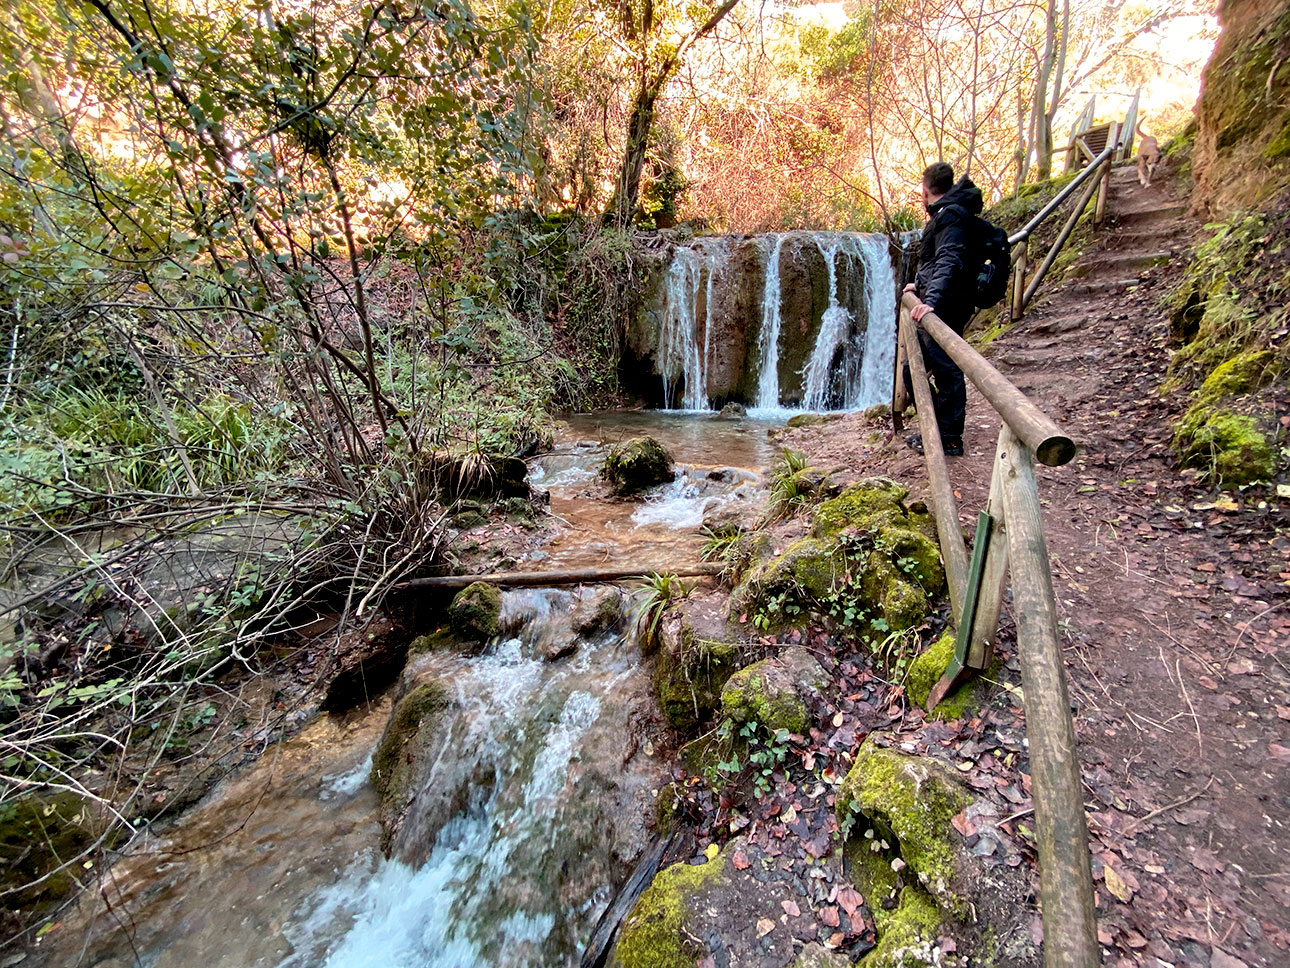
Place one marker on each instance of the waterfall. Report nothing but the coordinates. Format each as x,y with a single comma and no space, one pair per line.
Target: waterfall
709,352
874,385
835,327
678,345
768,342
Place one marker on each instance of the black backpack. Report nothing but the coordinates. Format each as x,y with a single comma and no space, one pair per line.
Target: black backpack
994,255
996,263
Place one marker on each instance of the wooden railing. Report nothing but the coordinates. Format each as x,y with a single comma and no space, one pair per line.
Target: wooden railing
1010,539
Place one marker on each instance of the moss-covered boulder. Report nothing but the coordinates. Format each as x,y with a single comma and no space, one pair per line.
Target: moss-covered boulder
909,801
928,667
476,610
906,919
865,539
776,692
636,465
651,935
420,707
1229,448
690,669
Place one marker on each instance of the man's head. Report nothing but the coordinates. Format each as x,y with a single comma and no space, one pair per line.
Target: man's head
938,179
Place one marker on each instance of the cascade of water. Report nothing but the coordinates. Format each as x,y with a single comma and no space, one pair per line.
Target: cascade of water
874,385
768,342
678,344
835,326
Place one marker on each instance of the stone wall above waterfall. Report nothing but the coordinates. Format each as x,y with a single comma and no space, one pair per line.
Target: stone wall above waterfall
767,320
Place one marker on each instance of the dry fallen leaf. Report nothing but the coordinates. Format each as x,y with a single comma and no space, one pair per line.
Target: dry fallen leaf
850,900
790,908
740,860
829,916
1115,884
764,927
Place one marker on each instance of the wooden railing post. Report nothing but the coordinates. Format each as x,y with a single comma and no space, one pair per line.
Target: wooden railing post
1104,187
1061,830
1062,236
1019,280
953,551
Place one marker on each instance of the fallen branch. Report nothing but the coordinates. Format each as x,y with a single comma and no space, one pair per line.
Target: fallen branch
571,576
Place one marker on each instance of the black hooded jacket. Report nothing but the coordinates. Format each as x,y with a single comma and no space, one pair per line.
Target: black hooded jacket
947,265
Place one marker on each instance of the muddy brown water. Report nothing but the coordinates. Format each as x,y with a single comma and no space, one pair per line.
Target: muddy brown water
281,866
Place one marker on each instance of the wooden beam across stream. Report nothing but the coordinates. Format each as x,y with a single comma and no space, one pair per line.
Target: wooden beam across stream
568,576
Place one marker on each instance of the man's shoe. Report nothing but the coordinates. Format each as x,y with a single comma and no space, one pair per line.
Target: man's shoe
953,446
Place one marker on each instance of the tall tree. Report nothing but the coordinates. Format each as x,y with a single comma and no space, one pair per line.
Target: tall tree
657,54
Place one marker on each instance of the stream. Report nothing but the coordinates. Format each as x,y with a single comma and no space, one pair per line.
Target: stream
530,812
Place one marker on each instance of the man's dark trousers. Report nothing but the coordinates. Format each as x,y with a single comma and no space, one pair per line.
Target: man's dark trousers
949,392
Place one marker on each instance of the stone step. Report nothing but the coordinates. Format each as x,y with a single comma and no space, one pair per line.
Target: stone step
1130,259
1096,286
1152,213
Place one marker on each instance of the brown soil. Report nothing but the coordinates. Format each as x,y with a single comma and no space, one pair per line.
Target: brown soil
1172,606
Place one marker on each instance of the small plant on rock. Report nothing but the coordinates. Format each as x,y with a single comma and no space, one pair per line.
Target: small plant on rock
790,484
661,590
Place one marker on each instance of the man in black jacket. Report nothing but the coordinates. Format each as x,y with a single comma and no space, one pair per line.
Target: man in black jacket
946,285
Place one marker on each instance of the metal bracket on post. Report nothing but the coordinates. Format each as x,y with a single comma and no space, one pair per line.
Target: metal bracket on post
958,669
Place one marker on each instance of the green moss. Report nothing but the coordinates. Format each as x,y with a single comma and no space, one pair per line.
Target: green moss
640,463
651,935
39,832
1279,146
914,555
1242,373
764,693
476,611
805,420
903,605
426,700
909,801
689,676
858,505
439,640
928,667
905,916
1228,447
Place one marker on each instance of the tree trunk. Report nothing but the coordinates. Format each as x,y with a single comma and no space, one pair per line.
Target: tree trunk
1043,135
622,207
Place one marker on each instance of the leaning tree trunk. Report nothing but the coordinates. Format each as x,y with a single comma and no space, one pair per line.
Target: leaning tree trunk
1043,139
627,192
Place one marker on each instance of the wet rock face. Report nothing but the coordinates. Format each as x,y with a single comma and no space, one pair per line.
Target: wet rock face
39,833
691,667
637,465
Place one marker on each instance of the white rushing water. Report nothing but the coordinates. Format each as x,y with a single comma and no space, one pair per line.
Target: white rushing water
768,341
879,356
850,362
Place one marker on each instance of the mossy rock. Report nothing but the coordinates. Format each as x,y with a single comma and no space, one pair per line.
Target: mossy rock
906,918
774,692
420,707
733,411
1228,447
689,673
39,832
909,801
636,465
651,935
1243,373
904,605
915,556
476,610
926,670
805,420
440,640
859,504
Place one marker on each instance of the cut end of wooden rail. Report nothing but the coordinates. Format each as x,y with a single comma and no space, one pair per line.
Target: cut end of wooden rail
1055,451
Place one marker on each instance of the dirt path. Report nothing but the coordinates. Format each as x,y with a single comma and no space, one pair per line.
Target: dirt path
1174,607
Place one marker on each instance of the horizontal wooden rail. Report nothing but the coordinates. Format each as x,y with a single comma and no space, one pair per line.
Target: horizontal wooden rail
1027,421
1090,171
571,576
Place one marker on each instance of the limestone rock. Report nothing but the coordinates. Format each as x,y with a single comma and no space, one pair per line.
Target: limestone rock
475,612
775,692
636,465
692,666
732,411
599,610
